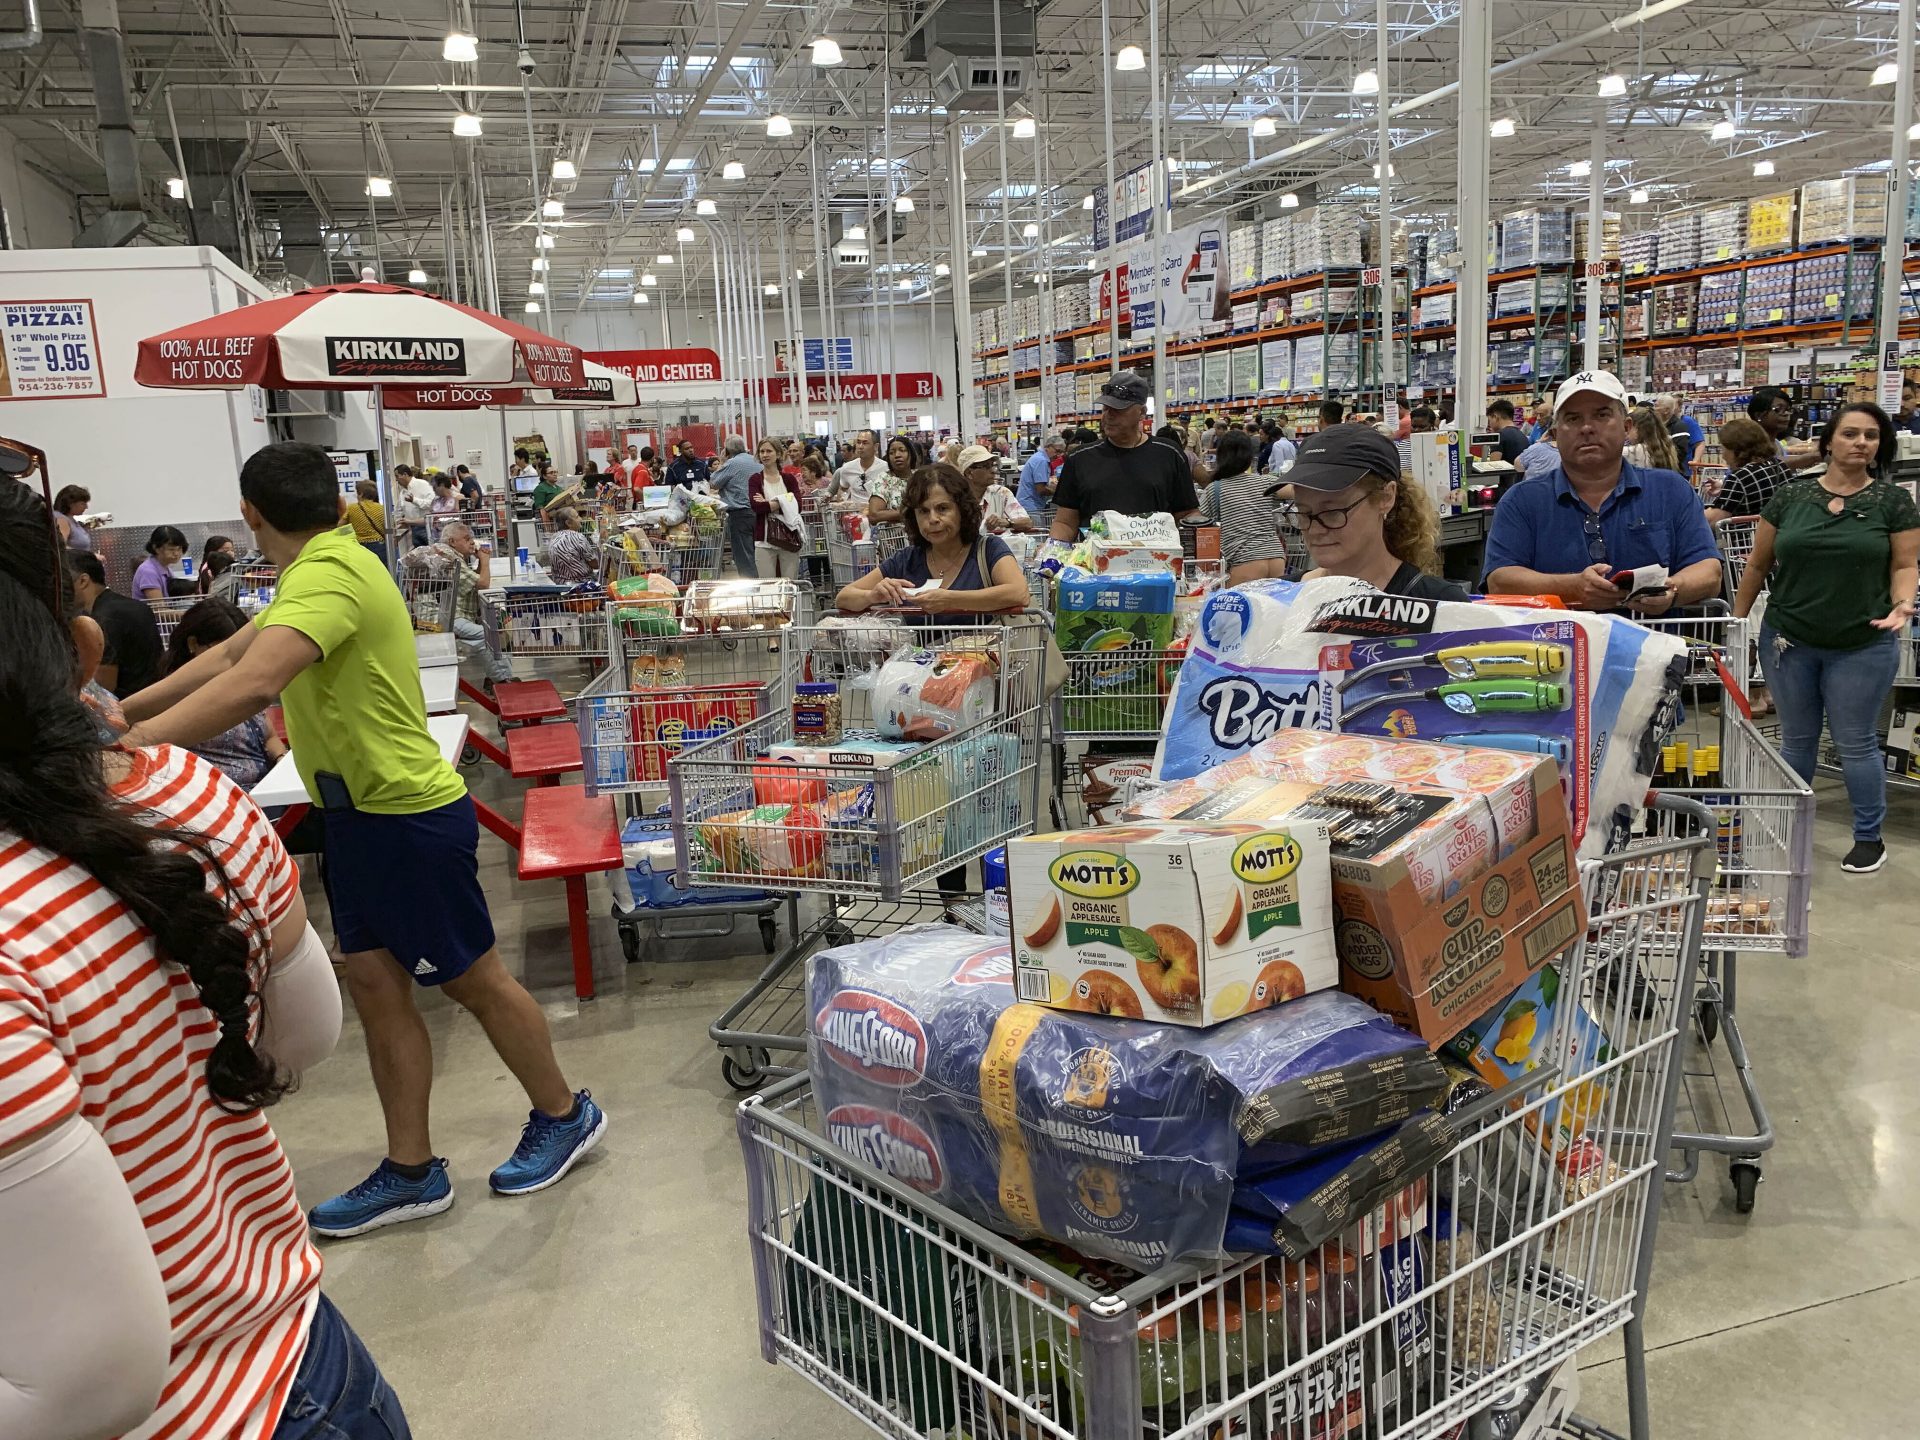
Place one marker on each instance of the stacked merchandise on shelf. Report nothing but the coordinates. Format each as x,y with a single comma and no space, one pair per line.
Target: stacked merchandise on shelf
1853,207
1719,302
1671,366
1327,237
1552,359
1609,236
1834,287
1434,311
1674,307
1343,362
1770,223
1325,302
1244,368
1071,309
1187,374
1274,312
1635,369
1433,369
1536,237
1723,233
1639,253
1244,316
1216,378
1396,241
1679,244
1310,364
1717,367
1769,299
1635,314
1276,248
1510,362
1276,367
1243,257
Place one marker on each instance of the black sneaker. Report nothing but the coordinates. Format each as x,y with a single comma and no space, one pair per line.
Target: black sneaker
1866,857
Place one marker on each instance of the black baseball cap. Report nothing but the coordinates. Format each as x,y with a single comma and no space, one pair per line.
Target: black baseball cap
1124,389
1339,456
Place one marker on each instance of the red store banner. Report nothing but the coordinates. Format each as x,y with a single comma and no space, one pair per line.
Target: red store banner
660,367
918,385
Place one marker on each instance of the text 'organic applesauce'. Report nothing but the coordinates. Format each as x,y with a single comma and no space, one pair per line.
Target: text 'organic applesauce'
1190,924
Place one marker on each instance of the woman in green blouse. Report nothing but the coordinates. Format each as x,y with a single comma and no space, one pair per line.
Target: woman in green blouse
1843,548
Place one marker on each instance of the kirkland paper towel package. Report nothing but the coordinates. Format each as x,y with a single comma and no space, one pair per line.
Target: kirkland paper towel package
1595,693
1121,1138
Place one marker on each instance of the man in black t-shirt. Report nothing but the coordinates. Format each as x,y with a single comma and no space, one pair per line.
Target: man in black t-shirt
131,660
1500,417
1126,471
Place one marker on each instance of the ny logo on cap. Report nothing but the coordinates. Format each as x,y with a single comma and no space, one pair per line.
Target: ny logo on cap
1585,377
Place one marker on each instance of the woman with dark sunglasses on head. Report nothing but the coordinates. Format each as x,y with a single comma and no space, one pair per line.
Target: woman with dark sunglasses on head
1360,519
1843,551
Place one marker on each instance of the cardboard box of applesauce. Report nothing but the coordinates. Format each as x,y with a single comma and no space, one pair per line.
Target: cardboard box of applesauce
1185,924
1441,923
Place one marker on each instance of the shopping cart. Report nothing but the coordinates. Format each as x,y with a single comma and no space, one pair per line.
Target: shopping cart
429,598
683,553
852,547
1516,1252
552,624
1735,536
168,611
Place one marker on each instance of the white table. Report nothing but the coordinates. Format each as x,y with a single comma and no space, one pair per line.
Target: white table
281,785
441,686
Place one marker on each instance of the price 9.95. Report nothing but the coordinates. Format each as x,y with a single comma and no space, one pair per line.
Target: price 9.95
66,359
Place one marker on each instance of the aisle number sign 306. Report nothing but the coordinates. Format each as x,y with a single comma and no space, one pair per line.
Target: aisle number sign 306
49,351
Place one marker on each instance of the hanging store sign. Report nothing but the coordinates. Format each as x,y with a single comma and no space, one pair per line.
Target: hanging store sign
660,367
816,353
921,385
49,351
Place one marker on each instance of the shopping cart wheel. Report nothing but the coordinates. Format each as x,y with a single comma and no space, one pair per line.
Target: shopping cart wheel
1745,1175
744,1069
837,934
769,933
630,941
469,755
1707,1015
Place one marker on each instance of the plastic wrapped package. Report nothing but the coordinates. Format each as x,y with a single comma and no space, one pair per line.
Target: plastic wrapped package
1119,1138
923,694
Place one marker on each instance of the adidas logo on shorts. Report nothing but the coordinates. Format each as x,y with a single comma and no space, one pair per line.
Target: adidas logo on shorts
423,967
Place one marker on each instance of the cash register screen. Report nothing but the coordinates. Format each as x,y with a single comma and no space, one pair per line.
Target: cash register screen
525,484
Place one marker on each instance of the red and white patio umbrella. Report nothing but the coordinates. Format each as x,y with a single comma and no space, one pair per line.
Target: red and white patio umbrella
363,336
603,389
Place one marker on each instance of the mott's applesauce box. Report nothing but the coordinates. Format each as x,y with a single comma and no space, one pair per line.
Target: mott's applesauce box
1186,924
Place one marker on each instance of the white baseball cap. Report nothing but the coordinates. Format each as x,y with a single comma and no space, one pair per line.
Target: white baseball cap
1603,382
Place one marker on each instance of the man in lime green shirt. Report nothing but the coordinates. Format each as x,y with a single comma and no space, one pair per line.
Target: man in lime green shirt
336,650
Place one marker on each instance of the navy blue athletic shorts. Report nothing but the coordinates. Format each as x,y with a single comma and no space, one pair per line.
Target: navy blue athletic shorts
410,885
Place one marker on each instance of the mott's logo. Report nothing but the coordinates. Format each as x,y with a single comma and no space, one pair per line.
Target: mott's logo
874,1037
1094,874
1262,859
890,1143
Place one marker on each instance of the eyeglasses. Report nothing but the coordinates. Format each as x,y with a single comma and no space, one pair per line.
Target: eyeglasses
1335,519
1596,540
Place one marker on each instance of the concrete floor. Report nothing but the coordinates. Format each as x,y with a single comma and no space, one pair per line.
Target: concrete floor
620,1304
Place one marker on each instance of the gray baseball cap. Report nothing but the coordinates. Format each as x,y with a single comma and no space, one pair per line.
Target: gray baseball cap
1124,389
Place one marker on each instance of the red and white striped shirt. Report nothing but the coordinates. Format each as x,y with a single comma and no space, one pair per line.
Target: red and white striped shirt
93,1023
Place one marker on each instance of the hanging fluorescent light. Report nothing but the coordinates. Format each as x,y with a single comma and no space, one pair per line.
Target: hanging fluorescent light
1263,126
683,234
533,307
1725,130
826,51
1023,128
779,127
536,288
906,284
379,187
1032,231
539,263
943,269
799,274
640,297
903,205
733,170
1885,74
1580,169
1762,169
466,126
1376,171
1638,197
978,252
855,232
545,242
1289,202
565,169
1129,57
1503,128
1367,82
553,209
1913,133
176,188
1612,87
460,48
772,289
648,280
663,259
1086,202
416,276
705,207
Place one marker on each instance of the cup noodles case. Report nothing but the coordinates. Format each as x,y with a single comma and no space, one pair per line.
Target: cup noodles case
1185,924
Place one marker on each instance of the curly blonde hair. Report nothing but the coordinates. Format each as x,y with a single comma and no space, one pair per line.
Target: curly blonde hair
1412,527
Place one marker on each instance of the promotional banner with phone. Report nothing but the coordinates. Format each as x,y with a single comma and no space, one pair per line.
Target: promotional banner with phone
1194,292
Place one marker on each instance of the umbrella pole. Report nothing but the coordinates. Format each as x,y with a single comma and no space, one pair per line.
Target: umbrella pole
385,472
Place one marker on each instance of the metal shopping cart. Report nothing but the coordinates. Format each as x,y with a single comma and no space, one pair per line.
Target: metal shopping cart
548,624
168,611
429,599
1487,1277
868,829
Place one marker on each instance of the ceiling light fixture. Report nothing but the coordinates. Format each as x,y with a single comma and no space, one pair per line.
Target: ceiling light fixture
536,288
1263,126
1638,197
1032,231
533,307
733,170
1376,171
379,187
683,234
539,263
705,207
826,51
648,280
460,48
1503,128
1129,57
1289,202
855,232
553,209
1580,169
943,269
903,205
1367,82
978,252
1913,133
779,127
1612,87
565,169
1023,128
1762,168
640,297
176,188
1724,130
1087,202
545,242
1886,73
663,259
772,289
466,126
416,276
906,284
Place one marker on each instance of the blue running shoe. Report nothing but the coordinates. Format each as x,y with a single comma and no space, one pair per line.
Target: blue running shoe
386,1197
549,1148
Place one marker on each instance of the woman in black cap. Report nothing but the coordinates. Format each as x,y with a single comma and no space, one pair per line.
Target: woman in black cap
1361,518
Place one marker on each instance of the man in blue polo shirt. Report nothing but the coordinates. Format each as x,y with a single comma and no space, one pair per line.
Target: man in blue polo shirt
1566,532
1036,476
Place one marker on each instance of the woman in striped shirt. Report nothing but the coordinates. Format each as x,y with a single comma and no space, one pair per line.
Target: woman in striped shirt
159,984
1237,501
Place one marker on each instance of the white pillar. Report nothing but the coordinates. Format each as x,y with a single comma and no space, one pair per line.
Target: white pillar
1894,250
963,417
1389,406
1470,290
1157,189
1596,243
1113,248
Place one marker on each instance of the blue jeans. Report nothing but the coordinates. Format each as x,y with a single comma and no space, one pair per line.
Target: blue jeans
339,1393
740,538
1848,688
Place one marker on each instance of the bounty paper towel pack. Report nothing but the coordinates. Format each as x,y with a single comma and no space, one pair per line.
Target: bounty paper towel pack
1595,693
